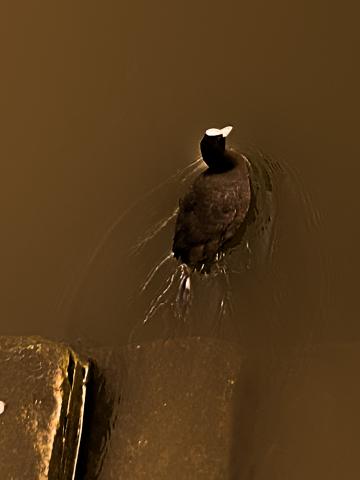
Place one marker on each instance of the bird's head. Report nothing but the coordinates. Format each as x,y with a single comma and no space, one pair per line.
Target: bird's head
212,146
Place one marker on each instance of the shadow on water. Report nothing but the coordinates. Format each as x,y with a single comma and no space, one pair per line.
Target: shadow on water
101,410
245,405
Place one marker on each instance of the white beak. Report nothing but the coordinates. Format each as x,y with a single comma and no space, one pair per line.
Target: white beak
214,132
225,131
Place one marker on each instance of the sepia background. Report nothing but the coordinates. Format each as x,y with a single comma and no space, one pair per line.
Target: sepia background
101,102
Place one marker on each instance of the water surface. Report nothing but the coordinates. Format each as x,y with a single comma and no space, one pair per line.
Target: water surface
100,104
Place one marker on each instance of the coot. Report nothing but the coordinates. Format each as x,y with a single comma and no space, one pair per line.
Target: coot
215,207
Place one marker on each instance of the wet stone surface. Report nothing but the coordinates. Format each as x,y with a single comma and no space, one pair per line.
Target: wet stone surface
162,410
41,393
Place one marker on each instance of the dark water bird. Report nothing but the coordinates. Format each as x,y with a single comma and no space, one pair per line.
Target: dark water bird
214,209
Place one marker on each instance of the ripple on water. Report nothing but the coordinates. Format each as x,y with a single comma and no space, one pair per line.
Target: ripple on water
268,289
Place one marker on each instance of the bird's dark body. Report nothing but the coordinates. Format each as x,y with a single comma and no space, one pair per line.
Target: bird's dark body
212,211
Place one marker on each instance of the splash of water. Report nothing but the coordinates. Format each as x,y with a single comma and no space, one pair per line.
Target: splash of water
179,289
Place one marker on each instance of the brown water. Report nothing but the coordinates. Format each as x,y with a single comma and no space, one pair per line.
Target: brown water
100,104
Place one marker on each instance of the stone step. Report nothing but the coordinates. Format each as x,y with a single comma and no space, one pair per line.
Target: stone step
161,410
42,397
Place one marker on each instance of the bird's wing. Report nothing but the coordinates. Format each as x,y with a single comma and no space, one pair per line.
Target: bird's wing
201,220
